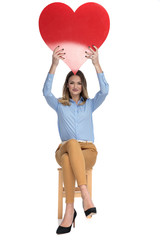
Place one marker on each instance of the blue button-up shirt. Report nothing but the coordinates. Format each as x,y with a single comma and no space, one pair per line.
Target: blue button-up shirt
75,121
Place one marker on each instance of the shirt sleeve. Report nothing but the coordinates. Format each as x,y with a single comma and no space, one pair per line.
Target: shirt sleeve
101,95
50,98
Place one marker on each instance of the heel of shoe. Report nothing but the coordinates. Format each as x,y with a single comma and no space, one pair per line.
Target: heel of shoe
75,214
74,224
89,216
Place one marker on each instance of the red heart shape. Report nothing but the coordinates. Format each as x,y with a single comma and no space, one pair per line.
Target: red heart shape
74,31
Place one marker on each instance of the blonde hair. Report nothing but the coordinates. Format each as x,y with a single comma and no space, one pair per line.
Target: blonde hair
66,94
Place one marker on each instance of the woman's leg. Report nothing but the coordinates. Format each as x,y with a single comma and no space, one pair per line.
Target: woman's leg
74,162
81,156
71,158
90,156
87,201
69,185
76,159
68,178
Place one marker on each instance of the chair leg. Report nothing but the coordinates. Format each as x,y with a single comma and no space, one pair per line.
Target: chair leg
89,181
60,195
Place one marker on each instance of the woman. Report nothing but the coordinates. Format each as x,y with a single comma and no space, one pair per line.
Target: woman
77,151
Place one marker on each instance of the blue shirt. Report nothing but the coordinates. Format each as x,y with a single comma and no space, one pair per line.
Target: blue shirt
75,121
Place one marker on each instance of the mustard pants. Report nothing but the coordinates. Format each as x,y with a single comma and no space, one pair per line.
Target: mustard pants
75,157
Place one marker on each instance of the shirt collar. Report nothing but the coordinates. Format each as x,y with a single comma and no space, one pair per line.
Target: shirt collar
80,100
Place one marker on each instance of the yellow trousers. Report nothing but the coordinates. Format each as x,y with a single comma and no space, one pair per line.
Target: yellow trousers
75,157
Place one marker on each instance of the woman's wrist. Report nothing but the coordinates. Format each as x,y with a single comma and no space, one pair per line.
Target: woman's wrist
98,68
52,68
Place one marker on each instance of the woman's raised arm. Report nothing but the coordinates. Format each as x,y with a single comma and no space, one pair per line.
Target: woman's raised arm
50,98
104,86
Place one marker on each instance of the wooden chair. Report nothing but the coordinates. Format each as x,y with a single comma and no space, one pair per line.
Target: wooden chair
61,191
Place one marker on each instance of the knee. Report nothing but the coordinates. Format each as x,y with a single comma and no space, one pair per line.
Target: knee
72,142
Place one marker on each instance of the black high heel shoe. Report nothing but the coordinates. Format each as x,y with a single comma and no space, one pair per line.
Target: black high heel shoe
62,230
89,212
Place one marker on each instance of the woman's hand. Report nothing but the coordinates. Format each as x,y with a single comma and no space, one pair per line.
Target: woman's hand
56,56
93,55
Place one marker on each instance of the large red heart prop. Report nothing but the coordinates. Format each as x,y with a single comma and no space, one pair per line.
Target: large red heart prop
74,31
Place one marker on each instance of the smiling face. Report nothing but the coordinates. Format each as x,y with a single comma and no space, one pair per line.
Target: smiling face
74,85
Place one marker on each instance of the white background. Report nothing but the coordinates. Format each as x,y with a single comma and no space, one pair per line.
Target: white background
126,189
